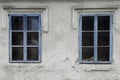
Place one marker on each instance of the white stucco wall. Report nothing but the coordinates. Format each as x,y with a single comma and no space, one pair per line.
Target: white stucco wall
60,51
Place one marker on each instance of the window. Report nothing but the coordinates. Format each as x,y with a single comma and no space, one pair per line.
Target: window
95,36
25,37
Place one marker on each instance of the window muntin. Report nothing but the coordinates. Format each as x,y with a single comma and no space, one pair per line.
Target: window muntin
25,38
95,35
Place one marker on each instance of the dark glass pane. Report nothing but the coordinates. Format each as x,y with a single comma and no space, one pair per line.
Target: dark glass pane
32,38
103,54
32,53
103,22
88,23
17,38
87,54
103,38
17,23
17,53
87,38
32,23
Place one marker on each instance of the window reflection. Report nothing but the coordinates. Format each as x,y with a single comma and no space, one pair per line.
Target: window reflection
32,38
32,23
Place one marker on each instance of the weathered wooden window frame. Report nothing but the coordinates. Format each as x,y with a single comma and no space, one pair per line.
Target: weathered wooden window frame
95,38
25,38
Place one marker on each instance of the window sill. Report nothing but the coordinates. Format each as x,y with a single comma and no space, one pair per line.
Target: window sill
98,68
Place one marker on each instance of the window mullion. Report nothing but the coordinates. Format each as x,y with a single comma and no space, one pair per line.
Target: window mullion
95,39
40,42
80,38
25,37
10,29
111,38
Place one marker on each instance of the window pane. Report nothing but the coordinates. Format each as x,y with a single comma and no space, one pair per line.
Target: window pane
87,53
103,54
32,23
32,53
87,38
17,38
103,38
88,23
103,22
17,23
17,53
32,38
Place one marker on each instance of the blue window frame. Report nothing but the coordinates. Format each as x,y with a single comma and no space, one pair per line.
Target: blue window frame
25,37
95,38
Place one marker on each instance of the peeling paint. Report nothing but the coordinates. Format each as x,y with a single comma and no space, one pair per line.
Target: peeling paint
60,54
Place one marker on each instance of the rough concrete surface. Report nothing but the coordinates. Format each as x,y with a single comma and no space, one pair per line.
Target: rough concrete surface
60,52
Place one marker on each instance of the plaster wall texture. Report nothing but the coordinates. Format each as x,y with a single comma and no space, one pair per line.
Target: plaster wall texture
60,53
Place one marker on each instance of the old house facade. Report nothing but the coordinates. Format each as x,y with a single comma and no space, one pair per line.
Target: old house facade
59,40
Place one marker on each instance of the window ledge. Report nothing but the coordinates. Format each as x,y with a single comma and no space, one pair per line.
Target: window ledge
98,69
